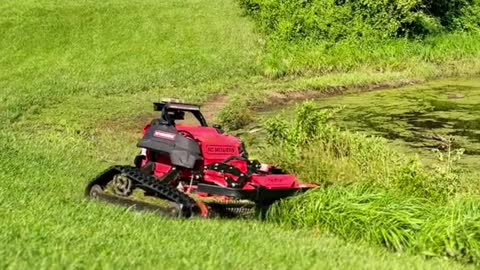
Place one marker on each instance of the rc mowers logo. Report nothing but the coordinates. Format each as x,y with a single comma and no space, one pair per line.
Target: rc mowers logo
163,135
276,179
220,150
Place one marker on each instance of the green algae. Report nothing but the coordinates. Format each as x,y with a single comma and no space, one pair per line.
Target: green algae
417,119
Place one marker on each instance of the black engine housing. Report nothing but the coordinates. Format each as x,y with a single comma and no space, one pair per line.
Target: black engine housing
165,140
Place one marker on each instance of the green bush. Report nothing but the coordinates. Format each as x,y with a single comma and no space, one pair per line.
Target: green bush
334,20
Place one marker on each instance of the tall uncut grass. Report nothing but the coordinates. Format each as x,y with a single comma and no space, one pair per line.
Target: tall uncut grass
357,213
323,36
370,192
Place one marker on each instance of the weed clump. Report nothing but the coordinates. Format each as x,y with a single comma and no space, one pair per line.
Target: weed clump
453,231
357,212
235,115
400,223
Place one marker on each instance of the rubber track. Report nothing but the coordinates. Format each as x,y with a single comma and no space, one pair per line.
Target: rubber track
151,185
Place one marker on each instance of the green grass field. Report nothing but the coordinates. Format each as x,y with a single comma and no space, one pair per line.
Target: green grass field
77,79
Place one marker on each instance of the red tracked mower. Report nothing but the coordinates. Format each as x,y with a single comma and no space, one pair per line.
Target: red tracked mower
192,170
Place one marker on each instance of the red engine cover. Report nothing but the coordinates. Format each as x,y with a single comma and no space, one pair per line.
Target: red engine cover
215,147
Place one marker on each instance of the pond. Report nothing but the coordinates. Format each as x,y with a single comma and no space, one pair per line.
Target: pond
419,118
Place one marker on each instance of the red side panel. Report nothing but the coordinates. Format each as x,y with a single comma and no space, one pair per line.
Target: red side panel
161,169
275,181
145,129
216,178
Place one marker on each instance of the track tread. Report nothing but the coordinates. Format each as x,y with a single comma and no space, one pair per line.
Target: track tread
150,184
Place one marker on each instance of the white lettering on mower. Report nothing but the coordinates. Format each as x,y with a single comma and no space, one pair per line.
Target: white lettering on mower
164,135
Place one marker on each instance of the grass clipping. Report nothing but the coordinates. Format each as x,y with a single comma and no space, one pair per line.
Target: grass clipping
373,193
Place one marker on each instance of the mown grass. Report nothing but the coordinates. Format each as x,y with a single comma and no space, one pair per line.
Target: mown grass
54,49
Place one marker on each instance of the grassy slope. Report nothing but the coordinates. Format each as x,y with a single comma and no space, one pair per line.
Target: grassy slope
54,49
76,81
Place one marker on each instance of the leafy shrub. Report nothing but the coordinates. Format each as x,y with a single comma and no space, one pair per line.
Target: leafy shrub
470,17
334,20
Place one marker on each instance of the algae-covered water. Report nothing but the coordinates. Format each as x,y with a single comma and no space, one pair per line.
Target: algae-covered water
419,118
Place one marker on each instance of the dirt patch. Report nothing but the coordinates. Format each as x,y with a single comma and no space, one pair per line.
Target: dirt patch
212,107
132,126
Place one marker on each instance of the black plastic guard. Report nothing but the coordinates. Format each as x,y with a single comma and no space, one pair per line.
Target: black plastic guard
166,141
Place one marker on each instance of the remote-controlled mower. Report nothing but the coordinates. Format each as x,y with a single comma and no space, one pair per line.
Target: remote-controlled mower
186,168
